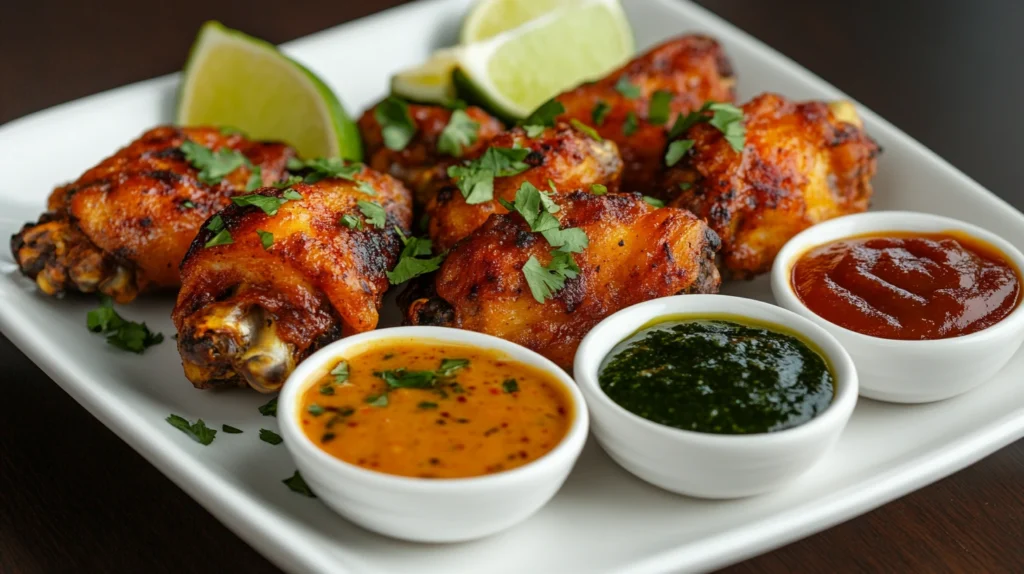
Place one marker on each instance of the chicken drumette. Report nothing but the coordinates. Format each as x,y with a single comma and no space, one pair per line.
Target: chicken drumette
802,163
123,227
635,252
260,292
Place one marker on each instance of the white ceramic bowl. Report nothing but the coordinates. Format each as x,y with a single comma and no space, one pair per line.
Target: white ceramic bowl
419,509
907,371
704,464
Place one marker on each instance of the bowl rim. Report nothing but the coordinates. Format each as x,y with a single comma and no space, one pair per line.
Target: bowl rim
895,221
587,363
309,371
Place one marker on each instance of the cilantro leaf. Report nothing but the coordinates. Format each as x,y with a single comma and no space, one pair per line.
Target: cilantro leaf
598,189
187,204
268,203
223,237
510,386
396,125
216,223
269,409
460,133
374,213
287,182
585,129
600,112
427,405
676,151
380,400
504,161
340,372
123,334
544,281
631,124
530,203
543,117
409,264
627,88
729,120
449,366
297,484
658,109
352,222
572,240
366,188
685,185
270,436
199,432
322,168
230,429
653,201
266,238
684,123
315,410
476,179
212,165
291,194
405,379
255,179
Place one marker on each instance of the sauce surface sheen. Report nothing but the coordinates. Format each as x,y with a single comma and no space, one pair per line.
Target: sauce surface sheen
908,286
435,411
718,376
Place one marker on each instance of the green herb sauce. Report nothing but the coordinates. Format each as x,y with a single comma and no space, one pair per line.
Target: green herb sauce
718,376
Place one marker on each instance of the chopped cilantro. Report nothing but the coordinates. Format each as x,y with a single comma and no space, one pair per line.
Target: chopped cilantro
380,400
322,168
510,386
572,240
315,410
291,194
396,125
352,222
449,366
366,188
543,117
230,429
585,129
374,213
631,124
475,179
658,109
653,201
216,223
685,185
297,484
187,204
269,409
125,335
600,112
409,262
544,281
405,379
340,372
266,238
212,165
598,189
223,237
255,179
627,88
427,405
725,117
287,182
461,132
270,436
676,151
268,203
199,432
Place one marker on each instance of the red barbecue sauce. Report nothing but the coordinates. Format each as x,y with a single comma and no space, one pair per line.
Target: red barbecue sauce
908,286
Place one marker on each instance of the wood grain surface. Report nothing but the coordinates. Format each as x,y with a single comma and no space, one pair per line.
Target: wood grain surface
74,498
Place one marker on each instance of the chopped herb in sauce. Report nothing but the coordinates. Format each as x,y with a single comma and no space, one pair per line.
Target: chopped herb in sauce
510,385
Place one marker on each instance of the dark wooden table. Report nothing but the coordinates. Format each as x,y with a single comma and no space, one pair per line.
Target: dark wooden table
75,498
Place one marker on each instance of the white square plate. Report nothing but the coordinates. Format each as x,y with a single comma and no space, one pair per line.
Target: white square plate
603,519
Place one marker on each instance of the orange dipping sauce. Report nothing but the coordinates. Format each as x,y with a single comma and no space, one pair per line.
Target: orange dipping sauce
435,411
908,286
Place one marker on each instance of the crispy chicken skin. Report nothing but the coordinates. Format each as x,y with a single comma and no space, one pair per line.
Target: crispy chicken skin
693,69
420,166
123,227
803,163
246,315
563,156
636,253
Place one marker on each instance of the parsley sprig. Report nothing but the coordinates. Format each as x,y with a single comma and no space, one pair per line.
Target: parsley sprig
725,117
475,179
121,333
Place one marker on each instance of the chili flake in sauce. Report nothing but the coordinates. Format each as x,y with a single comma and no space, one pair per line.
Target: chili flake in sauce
436,411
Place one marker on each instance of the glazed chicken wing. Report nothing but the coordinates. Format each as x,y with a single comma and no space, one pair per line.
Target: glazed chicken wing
802,163
261,292
636,252
421,165
124,225
561,156
689,70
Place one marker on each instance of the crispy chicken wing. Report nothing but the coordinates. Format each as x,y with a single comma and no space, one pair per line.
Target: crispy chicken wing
803,163
420,165
124,225
250,310
636,252
561,156
691,69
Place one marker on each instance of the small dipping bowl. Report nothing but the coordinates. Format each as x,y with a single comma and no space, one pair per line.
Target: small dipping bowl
709,465
907,371
428,509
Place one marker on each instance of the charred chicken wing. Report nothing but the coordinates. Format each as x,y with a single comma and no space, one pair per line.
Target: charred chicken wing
802,163
561,156
635,252
636,105
265,285
416,143
124,225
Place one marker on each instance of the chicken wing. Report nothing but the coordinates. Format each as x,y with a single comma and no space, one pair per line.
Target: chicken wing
636,252
124,225
421,165
689,70
255,302
802,163
562,156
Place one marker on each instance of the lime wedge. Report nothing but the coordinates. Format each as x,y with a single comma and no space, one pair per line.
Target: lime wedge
516,71
232,79
430,83
488,18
